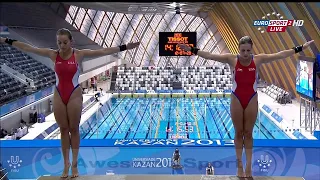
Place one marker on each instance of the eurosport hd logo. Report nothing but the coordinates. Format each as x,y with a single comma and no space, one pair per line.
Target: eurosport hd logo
274,22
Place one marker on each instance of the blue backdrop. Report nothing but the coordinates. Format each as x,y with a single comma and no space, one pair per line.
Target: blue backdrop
31,159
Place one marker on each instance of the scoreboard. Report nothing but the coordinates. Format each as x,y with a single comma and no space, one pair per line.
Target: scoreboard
168,43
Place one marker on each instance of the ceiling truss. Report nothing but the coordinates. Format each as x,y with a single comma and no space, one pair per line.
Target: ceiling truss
113,29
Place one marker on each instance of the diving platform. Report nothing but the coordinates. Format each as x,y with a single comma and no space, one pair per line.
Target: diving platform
168,177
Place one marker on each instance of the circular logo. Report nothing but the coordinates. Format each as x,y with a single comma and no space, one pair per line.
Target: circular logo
47,161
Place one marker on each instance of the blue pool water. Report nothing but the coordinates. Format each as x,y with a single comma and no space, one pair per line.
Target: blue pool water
149,118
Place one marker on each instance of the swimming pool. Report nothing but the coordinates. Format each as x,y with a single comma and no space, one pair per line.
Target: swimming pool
163,118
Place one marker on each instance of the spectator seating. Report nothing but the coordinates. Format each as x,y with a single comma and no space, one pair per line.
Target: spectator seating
280,95
24,64
186,78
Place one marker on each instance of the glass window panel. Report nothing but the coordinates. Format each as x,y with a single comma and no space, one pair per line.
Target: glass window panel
110,15
98,18
203,35
209,63
122,55
141,27
92,33
214,39
117,19
136,62
159,62
155,59
201,61
105,45
140,52
155,62
182,15
160,28
128,35
168,17
68,19
182,62
210,45
145,60
163,62
75,26
155,21
148,35
116,40
192,60
148,17
147,57
79,17
212,29
110,35
129,55
188,18
181,26
200,30
86,25
179,62
156,51
135,21
123,27
72,11
174,22
98,39
216,50
129,16
91,13
152,46
135,38
144,41
104,26
174,61
203,41
194,24
198,62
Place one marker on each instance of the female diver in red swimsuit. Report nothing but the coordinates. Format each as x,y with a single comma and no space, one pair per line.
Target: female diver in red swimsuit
68,94
244,101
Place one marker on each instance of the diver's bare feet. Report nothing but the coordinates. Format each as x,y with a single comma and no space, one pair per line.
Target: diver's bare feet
240,172
248,172
74,170
65,170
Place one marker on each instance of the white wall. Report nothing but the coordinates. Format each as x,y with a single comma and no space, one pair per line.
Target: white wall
93,72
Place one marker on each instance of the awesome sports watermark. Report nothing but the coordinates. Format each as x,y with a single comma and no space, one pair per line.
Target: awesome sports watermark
278,25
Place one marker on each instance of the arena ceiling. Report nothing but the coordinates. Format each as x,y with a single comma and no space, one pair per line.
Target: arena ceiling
144,8
112,24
